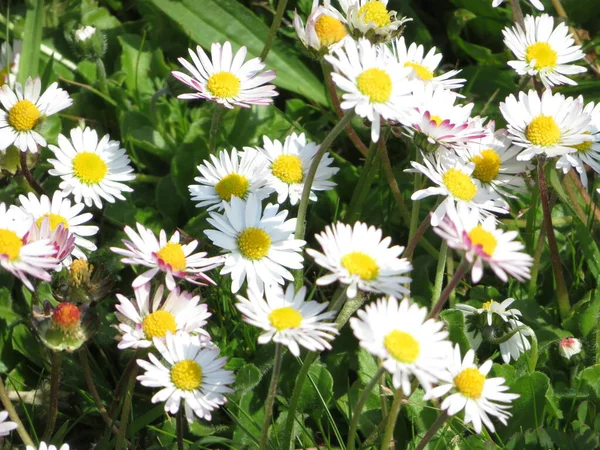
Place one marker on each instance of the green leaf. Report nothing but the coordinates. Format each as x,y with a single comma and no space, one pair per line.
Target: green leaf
6,310
229,20
135,62
367,366
455,321
590,376
246,378
30,54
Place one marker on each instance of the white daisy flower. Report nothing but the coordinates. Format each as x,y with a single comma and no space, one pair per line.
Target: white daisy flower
479,396
375,85
152,317
408,344
549,125
372,18
44,446
169,256
59,237
587,152
289,320
59,210
21,258
325,27
259,244
9,62
188,372
235,174
515,345
24,109
535,3
6,426
569,347
544,51
91,170
484,244
357,256
424,66
455,181
289,163
227,79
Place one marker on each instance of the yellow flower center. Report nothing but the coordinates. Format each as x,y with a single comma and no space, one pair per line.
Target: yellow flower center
402,346
470,383
10,244
487,165
488,305
543,131
55,220
376,84
158,323
284,318
223,85
254,243
584,146
437,119
80,272
23,116
232,185
172,254
329,30
460,184
422,72
89,168
376,12
361,264
288,168
544,55
186,375
484,238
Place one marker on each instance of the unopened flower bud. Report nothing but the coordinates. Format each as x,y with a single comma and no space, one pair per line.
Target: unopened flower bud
569,347
84,33
66,316
88,42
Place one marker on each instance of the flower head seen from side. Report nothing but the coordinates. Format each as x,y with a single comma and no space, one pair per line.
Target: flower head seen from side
424,65
549,125
259,244
44,446
569,347
536,3
91,170
6,426
227,175
288,164
484,244
225,78
154,316
187,372
23,259
371,18
288,319
374,84
407,342
9,62
357,256
59,237
544,50
325,27
470,390
23,109
170,256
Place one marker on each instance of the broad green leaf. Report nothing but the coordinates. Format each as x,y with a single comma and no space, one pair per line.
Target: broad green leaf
135,62
246,378
367,366
32,38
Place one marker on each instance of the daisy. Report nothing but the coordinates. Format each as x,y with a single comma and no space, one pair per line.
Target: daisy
21,258
357,256
60,211
424,66
325,27
544,50
372,18
9,62
6,426
484,244
288,319
91,170
150,318
44,446
535,3
61,239
549,125
408,344
259,244
24,109
479,396
455,181
226,79
235,174
569,347
288,166
171,257
188,372
375,85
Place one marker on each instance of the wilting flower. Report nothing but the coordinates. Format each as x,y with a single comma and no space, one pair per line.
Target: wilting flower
65,327
84,283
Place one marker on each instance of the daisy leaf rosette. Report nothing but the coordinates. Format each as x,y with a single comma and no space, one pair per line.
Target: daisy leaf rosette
325,27
372,19
288,319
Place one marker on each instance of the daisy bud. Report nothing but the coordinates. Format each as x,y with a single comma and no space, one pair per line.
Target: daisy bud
88,42
65,327
569,347
84,284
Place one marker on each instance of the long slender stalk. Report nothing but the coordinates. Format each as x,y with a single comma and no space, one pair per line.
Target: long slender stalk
179,426
535,268
359,407
440,270
458,275
28,176
120,445
274,27
517,12
391,179
416,236
432,430
529,234
101,73
54,385
12,413
391,420
264,434
214,128
364,183
584,193
414,213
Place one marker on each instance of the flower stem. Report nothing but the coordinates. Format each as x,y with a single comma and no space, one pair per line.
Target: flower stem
179,425
359,407
214,128
391,420
458,275
264,434
101,73
27,174
54,385
12,413
416,234
529,234
439,272
432,430
517,12
414,214
361,190
274,27
120,445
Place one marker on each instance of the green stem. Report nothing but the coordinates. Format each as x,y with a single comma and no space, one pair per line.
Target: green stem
416,236
101,73
535,268
264,435
274,27
12,413
28,176
439,272
414,214
517,12
126,410
391,420
179,425
529,234
54,385
214,128
458,275
432,430
356,413
362,187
